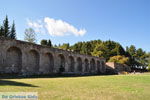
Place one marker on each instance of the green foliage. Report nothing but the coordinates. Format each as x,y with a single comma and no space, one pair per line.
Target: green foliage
1,31
77,47
49,43
100,51
108,49
64,46
119,59
85,47
46,42
131,50
6,27
137,57
6,30
30,35
13,31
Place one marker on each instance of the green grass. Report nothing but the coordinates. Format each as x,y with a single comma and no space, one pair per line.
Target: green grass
117,87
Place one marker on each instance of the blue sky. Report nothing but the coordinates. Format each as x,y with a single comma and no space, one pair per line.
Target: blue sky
124,21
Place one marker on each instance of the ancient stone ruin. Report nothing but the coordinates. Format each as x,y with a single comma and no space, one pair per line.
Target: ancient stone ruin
116,68
31,59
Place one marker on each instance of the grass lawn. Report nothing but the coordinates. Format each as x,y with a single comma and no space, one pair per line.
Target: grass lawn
116,87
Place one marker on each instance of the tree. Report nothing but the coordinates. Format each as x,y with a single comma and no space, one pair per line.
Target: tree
1,31
86,48
64,46
131,53
119,50
49,43
44,42
77,47
13,31
101,51
137,57
6,27
30,35
55,46
108,49
141,57
131,50
119,59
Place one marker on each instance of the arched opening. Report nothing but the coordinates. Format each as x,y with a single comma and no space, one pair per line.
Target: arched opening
92,65
14,60
61,61
48,63
79,64
98,66
71,64
86,65
33,61
103,67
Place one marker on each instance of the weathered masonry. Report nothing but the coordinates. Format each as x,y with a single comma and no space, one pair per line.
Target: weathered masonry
28,59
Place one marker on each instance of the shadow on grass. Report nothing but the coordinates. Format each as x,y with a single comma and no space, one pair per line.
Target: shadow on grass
14,83
49,76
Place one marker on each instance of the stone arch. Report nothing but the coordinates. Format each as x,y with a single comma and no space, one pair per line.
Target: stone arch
86,65
92,65
98,66
14,60
71,64
61,61
48,62
33,61
79,64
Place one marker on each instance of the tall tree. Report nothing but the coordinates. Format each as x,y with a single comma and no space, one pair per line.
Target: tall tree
141,57
13,31
1,31
30,35
131,50
49,43
6,27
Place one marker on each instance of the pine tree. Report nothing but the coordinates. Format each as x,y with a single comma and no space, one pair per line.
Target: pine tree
6,27
13,31
49,43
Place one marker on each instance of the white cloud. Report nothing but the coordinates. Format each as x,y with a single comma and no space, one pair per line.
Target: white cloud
37,25
56,27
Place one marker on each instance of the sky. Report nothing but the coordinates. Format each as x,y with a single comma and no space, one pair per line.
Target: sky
71,21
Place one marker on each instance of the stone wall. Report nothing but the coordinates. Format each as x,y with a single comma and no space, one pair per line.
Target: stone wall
117,68
27,58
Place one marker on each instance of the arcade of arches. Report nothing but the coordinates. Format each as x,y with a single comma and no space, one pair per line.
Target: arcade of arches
26,58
